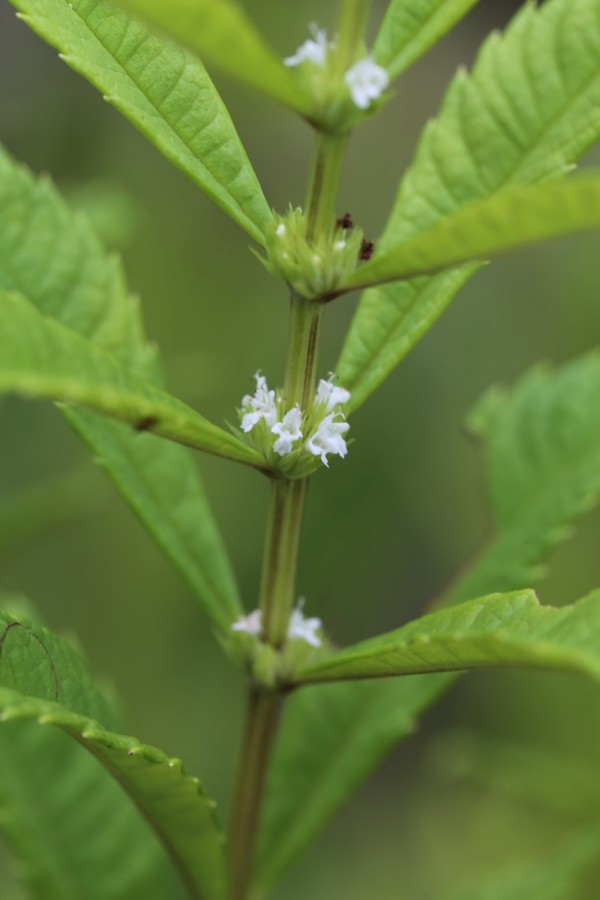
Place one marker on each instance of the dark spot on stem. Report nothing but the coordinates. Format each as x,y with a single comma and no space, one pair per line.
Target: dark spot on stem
147,423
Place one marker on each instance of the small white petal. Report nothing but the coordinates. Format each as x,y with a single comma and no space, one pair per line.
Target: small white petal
250,624
301,629
331,395
280,230
339,245
312,51
288,430
260,406
367,81
328,438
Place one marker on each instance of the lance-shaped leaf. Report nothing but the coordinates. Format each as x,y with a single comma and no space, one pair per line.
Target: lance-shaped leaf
44,681
410,28
499,631
541,446
542,449
52,256
389,321
41,358
528,110
163,90
223,34
513,218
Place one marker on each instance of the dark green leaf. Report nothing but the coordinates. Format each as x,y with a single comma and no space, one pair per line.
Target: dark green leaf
164,91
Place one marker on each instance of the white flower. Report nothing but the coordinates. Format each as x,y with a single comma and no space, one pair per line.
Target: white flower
260,406
367,81
331,395
313,51
301,629
328,438
288,430
250,624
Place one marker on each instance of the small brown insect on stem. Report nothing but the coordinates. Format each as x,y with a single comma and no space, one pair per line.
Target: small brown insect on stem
367,248
345,221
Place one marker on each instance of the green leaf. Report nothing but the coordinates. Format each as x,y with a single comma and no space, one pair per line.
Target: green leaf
54,258
529,109
41,358
559,876
542,458
72,830
513,218
37,663
163,90
44,681
542,447
388,323
525,113
499,631
223,34
51,255
409,29
55,800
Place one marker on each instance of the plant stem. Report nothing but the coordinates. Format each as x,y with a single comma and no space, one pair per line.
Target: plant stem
278,584
281,557
353,19
324,180
261,722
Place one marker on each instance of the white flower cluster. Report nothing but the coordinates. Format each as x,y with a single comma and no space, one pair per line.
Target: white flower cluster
365,79
299,627
320,433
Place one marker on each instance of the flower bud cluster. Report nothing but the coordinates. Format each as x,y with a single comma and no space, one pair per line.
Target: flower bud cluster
315,268
291,439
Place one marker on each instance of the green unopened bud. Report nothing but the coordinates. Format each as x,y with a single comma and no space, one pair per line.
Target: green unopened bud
314,268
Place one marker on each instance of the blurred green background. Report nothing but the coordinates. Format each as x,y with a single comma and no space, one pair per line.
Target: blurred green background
385,529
